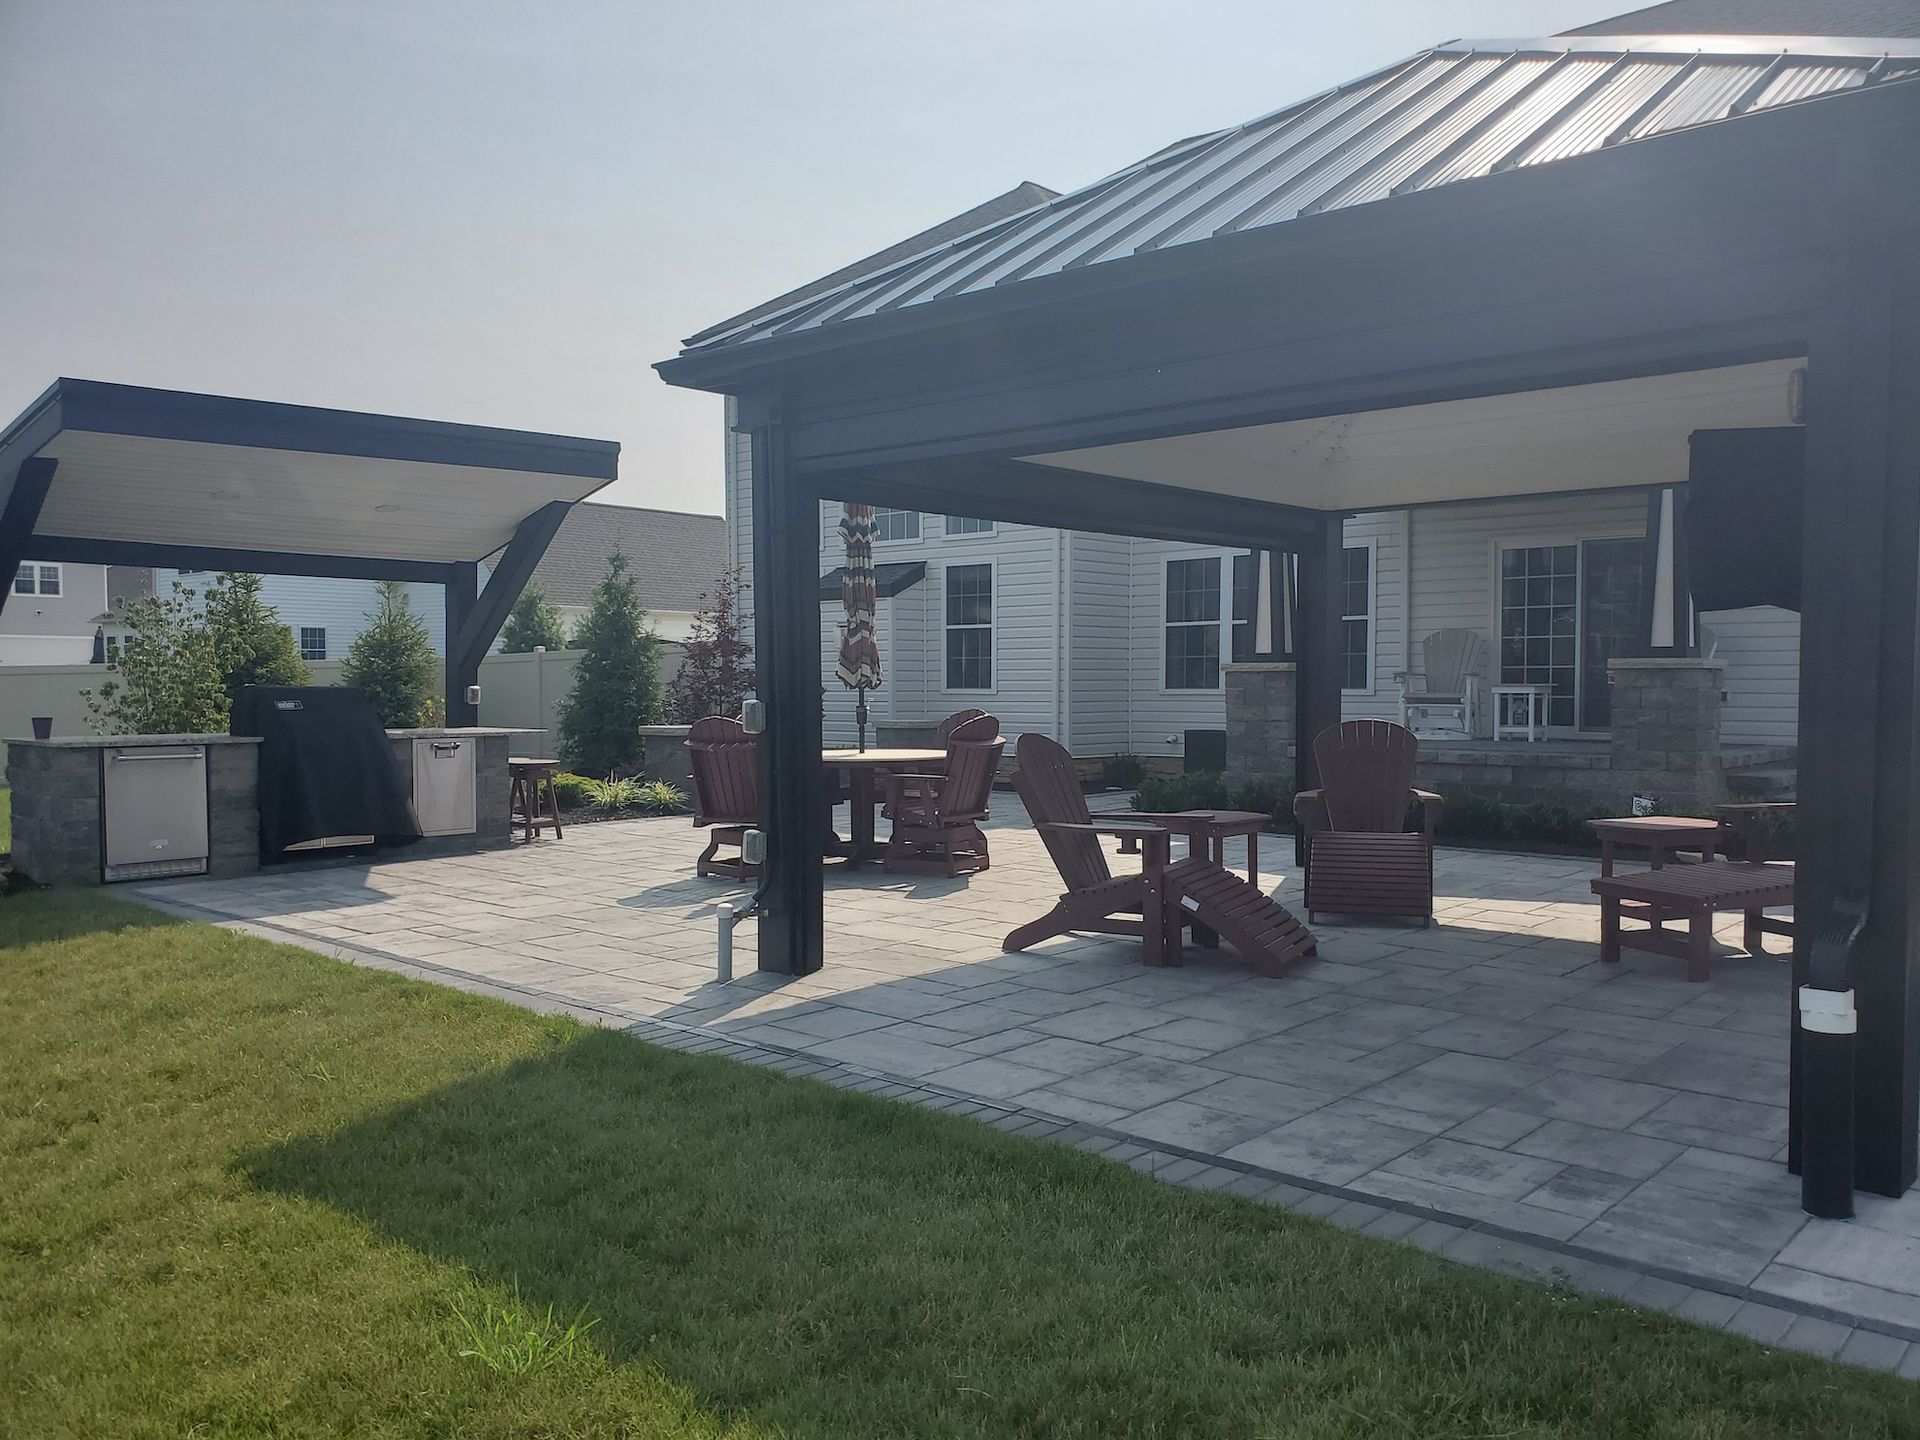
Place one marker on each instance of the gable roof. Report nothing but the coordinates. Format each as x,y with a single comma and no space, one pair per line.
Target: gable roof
1021,198
678,558
1893,18
1460,111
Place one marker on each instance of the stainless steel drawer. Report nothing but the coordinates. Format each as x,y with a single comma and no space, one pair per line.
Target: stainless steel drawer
154,800
443,786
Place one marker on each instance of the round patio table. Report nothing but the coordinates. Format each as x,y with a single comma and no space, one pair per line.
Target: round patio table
863,768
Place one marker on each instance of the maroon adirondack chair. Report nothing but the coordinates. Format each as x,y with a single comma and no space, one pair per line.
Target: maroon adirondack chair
1096,900
936,817
1161,901
726,792
1360,856
942,737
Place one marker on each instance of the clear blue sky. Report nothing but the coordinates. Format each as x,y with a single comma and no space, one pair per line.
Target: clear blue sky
505,213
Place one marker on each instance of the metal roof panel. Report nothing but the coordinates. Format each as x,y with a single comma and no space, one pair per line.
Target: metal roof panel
1457,112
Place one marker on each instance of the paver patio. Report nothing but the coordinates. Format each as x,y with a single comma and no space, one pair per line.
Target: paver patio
1490,1071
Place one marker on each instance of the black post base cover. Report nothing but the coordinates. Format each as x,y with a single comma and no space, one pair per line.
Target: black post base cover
326,767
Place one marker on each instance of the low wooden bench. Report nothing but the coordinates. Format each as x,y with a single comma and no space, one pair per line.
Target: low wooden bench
1695,894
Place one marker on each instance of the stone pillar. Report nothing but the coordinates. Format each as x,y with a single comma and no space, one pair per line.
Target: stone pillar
1261,709
1666,731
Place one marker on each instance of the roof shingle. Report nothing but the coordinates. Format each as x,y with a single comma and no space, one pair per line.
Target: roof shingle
678,558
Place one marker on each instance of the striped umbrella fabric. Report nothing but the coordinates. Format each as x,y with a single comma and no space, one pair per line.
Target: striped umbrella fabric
859,665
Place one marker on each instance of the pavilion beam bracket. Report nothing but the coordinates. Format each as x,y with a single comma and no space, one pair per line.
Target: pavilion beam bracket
30,486
482,623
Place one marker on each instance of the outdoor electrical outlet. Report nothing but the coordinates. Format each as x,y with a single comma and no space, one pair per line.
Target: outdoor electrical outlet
753,847
753,715
473,694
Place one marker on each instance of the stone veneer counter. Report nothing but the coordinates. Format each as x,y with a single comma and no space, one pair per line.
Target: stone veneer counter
57,822
56,784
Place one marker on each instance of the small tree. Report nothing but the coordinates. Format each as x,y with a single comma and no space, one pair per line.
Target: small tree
716,668
534,621
392,660
617,682
250,643
165,679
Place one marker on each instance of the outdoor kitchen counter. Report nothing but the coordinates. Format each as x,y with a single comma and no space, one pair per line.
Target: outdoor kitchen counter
128,742
58,813
58,821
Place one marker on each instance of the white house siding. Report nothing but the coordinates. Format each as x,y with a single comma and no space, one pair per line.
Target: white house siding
54,629
1386,532
1099,579
1762,649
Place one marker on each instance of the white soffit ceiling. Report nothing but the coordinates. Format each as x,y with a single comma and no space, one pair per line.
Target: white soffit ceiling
1619,433
184,492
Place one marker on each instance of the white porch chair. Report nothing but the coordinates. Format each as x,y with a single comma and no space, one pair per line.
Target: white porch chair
1448,679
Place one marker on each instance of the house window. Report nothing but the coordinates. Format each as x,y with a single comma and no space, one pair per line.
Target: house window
964,525
1540,623
969,627
896,524
313,642
1356,618
33,579
1193,612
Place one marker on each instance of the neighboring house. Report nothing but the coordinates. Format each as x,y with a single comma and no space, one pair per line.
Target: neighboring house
58,610
325,615
1115,645
677,559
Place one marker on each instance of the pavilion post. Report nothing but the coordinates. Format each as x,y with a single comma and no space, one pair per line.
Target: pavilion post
786,643
463,668
1858,819
17,519
1318,641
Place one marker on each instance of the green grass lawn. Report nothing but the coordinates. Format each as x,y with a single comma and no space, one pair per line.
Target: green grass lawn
6,821
248,1191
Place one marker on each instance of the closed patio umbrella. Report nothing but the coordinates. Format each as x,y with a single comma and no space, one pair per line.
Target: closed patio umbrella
859,666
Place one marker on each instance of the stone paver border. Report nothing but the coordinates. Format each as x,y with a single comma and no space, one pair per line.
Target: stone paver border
1769,1319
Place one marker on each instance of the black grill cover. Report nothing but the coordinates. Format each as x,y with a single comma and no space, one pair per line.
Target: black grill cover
326,767
1744,494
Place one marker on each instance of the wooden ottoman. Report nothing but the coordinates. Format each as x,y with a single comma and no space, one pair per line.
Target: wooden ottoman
1695,894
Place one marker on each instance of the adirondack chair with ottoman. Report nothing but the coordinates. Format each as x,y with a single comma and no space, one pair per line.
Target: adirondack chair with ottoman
1448,679
1361,858
936,818
1158,903
724,760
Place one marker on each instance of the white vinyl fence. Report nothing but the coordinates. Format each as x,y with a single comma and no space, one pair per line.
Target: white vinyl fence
522,691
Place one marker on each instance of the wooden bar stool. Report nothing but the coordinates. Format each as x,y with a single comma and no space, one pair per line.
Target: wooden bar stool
530,778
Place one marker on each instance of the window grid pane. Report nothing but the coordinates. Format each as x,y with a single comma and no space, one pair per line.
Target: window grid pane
1539,623
896,525
23,580
969,627
313,642
1193,590
966,525
49,579
1193,657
